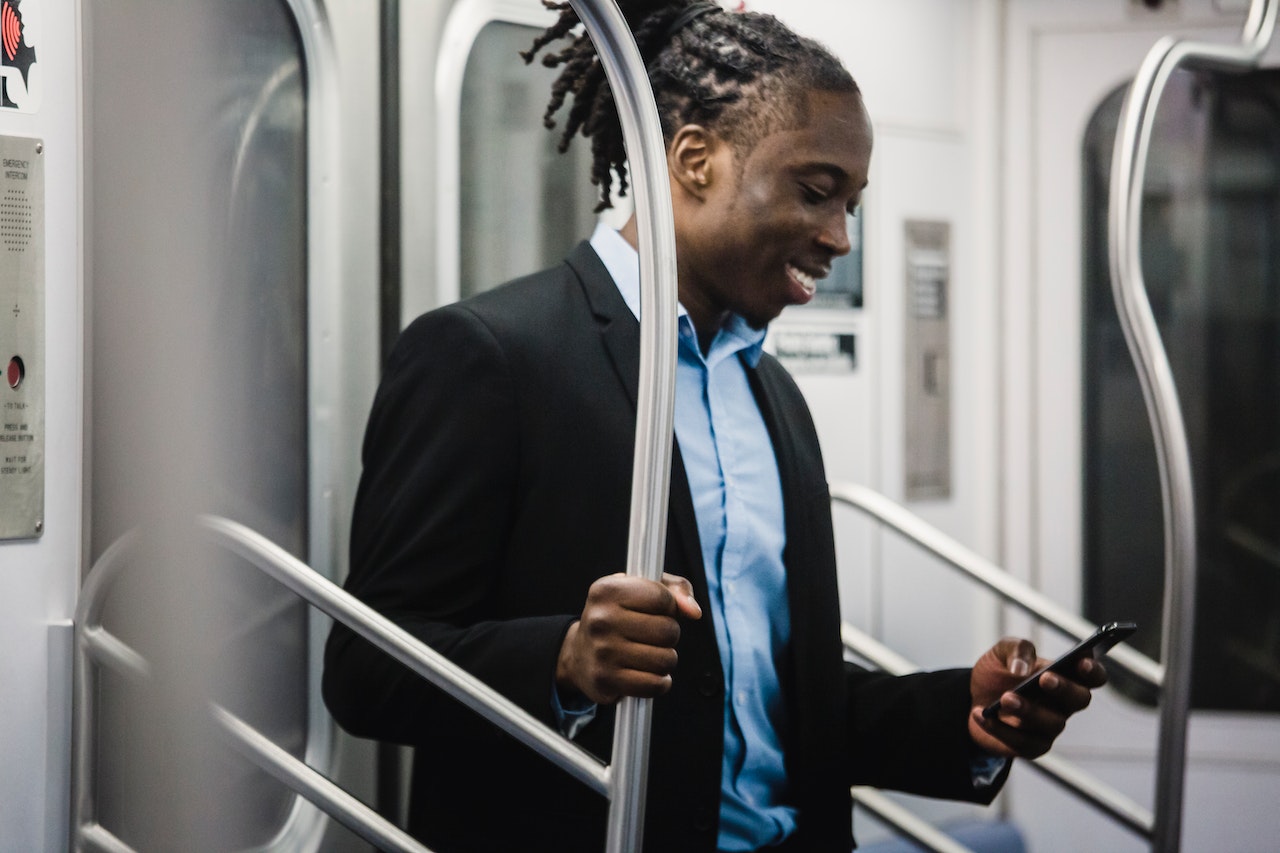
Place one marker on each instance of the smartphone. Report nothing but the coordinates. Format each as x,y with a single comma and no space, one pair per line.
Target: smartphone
1095,645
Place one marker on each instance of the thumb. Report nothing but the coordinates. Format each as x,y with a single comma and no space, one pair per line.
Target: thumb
1019,656
682,590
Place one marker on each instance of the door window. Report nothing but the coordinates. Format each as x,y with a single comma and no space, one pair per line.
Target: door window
1211,257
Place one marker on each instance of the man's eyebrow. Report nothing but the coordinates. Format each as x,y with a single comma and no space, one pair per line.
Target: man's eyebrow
821,166
830,169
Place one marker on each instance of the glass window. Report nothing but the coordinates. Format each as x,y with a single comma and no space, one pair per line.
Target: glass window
524,205
1211,256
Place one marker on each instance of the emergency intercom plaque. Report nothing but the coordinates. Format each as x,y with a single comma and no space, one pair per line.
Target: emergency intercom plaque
21,337
928,358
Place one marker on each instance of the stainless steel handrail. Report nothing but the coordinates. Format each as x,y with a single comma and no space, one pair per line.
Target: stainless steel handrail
96,644
314,786
85,830
906,823
988,574
651,470
1084,785
1158,388
408,650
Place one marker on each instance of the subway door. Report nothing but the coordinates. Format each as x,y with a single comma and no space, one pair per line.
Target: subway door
231,279
41,404
1082,516
898,358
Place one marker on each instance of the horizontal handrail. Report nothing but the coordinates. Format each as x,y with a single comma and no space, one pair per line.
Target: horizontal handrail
905,822
107,649
97,837
988,574
1083,784
408,650
314,786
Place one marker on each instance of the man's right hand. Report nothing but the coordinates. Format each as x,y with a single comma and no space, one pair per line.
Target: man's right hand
624,644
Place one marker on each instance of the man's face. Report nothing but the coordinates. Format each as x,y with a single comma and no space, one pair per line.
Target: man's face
775,217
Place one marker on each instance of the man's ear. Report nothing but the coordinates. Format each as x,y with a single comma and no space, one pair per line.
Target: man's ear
690,157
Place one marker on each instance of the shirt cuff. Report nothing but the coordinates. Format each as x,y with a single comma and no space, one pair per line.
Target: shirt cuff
571,717
986,769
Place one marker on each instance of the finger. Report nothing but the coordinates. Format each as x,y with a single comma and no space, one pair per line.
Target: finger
640,658
608,622
649,630
640,595
1063,694
1019,656
1008,741
641,684
683,592
1031,716
1091,673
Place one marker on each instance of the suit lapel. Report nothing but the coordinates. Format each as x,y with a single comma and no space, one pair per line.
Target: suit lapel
619,328
620,333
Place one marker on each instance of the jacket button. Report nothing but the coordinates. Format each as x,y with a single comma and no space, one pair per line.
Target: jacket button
703,819
708,684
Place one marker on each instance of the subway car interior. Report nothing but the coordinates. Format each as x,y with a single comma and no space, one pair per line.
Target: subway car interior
217,217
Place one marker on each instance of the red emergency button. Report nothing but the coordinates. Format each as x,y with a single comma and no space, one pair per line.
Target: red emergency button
17,371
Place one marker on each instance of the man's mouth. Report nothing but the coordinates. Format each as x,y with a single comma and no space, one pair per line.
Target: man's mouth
807,282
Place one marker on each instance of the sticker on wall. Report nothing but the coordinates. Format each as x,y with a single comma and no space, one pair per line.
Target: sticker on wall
19,72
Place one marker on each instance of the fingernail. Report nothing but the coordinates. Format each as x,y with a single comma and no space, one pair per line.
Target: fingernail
1049,681
1019,667
1011,702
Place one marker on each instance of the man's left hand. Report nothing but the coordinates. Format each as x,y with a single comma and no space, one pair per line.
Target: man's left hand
1025,727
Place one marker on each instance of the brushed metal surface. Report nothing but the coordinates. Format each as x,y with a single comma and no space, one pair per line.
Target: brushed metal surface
21,337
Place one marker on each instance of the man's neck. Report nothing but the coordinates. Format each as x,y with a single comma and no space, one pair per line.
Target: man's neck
706,321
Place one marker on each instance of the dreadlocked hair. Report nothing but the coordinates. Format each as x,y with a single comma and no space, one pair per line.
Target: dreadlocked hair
741,74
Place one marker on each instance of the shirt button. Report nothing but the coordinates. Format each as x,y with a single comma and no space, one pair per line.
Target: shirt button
742,697
708,684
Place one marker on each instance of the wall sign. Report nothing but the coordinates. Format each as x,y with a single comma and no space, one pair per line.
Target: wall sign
19,73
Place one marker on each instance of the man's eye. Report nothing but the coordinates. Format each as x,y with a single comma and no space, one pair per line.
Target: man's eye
812,194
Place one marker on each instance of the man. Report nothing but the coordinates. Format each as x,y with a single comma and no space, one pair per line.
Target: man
492,512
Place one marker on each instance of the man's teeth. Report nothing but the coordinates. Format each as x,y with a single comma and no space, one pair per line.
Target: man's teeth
808,282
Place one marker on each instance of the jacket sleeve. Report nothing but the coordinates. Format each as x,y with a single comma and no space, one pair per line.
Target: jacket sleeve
429,537
910,733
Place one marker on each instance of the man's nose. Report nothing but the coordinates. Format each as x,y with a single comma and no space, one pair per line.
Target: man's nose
834,235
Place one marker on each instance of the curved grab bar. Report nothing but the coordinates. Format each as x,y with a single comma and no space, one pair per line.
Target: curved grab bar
1158,389
987,573
651,470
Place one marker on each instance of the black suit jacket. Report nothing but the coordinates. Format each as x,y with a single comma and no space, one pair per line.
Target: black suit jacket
496,486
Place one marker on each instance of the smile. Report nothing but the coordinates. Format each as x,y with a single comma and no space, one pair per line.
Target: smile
808,282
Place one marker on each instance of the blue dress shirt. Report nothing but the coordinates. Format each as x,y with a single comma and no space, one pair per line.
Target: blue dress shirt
737,495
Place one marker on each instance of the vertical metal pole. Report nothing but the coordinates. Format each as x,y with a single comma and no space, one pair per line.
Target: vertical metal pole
1143,337
651,471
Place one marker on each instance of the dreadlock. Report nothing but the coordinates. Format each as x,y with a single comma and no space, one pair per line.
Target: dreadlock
740,73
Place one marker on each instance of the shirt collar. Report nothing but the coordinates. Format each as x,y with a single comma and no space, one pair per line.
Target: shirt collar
623,264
